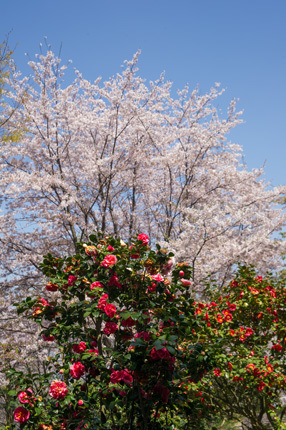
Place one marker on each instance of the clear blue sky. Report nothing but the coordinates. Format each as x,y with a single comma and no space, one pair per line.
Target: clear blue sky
240,43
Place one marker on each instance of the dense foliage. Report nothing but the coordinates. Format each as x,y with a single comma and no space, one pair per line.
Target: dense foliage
134,349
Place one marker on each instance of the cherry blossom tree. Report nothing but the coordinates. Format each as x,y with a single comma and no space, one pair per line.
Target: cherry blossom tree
122,156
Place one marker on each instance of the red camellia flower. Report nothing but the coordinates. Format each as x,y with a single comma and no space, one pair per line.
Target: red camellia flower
277,348
95,285
219,318
58,390
81,347
48,338
21,415
109,260
144,238
102,302
110,327
217,372
110,248
71,280
114,281
77,370
110,310
51,287
126,376
129,322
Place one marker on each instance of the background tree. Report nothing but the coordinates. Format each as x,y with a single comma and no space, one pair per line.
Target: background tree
122,157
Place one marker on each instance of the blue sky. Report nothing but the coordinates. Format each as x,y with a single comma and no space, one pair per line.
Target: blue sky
240,43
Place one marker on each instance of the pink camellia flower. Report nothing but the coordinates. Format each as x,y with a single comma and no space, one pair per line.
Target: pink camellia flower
51,287
109,260
95,285
25,397
115,376
58,390
81,347
185,282
110,248
144,238
21,415
110,310
158,278
48,338
77,370
110,327
80,402
71,280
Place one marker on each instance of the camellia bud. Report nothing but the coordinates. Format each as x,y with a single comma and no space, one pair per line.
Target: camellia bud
181,273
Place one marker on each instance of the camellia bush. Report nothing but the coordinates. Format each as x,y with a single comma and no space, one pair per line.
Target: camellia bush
118,320
134,348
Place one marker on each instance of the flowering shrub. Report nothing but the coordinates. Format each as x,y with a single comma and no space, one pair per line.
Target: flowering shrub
118,322
135,350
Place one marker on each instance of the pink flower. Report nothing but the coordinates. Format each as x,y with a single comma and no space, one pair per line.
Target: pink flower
95,285
110,248
115,376
158,278
110,310
109,260
80,402
77,370
21,415
110,327
58,390
144,238
93,351
25,397
81,347
185,282
71,280
48,338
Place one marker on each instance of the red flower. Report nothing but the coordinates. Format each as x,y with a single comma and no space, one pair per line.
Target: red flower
219,318
21,415
110,327
152,288
114,281
110,248
129,322
58,390
126,376
71,280
277,348
115,376
109,260
81,347
248,332
95,285
77,370
163,391
102,302
110,310
144,238
217,372
146,336
51,287
48,338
